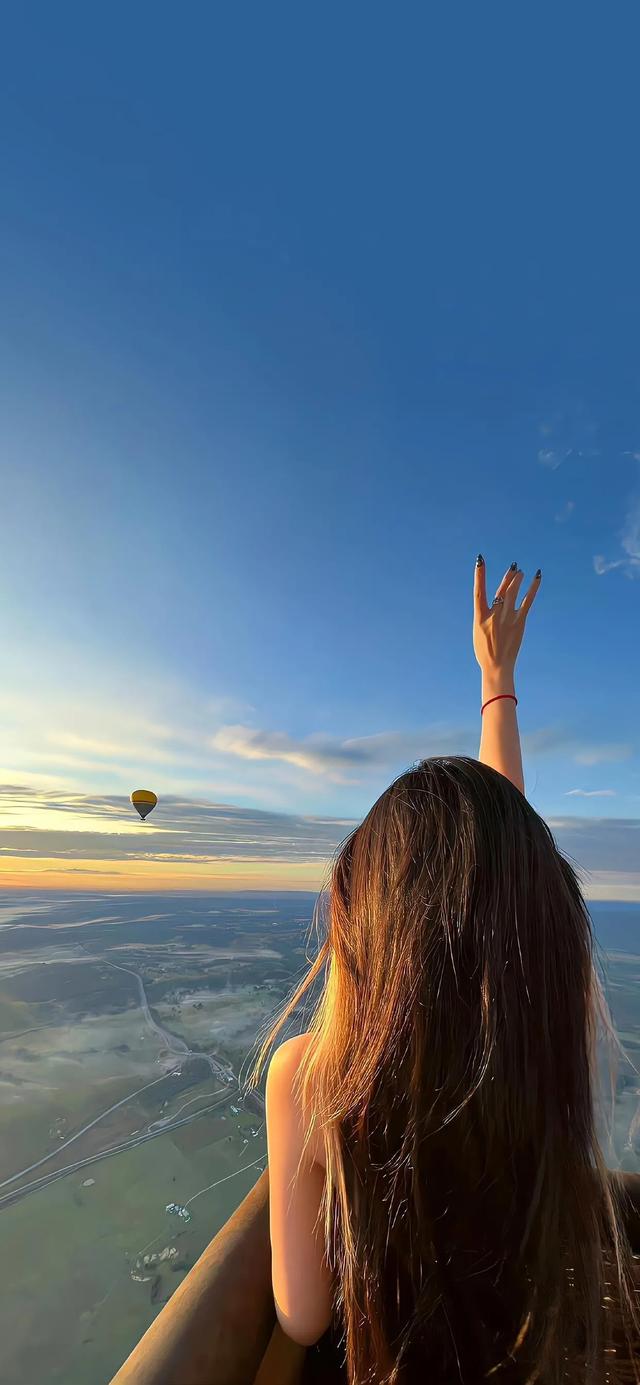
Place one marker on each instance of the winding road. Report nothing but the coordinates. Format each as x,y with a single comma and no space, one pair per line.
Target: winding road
176,1048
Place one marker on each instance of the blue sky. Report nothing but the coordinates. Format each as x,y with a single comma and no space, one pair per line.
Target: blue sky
299,313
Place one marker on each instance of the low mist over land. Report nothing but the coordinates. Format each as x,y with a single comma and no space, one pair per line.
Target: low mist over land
126,1028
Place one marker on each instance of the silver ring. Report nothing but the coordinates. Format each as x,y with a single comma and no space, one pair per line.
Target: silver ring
497,600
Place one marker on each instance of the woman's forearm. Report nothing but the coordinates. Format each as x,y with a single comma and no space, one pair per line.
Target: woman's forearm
500,737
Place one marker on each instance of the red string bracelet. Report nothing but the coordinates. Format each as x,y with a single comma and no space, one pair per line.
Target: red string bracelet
496,698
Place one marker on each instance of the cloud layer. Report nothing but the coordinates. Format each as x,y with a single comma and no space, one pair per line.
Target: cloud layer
183,831
188,832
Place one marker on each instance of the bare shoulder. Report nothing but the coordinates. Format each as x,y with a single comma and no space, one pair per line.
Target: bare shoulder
282,1070
288,1055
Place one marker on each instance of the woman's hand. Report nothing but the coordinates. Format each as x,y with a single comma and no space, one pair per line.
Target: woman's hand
498,630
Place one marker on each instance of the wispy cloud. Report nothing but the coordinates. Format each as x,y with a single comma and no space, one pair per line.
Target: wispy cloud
591,793
549,740
569,432
610,752
121,749
553,457
337,758
548,457
39,778
566,513
630,542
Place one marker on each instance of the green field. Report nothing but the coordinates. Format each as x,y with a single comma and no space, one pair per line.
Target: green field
75,1041
69,1299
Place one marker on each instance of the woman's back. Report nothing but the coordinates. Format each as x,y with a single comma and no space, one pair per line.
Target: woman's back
445,1116
438,1187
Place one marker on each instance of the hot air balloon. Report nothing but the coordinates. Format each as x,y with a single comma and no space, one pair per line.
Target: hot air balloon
144,800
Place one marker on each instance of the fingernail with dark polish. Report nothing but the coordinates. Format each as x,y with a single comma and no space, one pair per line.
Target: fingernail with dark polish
479,560
513,567
539,572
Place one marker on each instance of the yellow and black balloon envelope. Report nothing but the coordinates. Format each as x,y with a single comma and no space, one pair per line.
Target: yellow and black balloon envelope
144,800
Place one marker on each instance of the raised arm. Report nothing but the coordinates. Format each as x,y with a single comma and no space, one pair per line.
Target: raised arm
497,636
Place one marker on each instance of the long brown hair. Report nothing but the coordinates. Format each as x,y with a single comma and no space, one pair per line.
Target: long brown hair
468,1216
